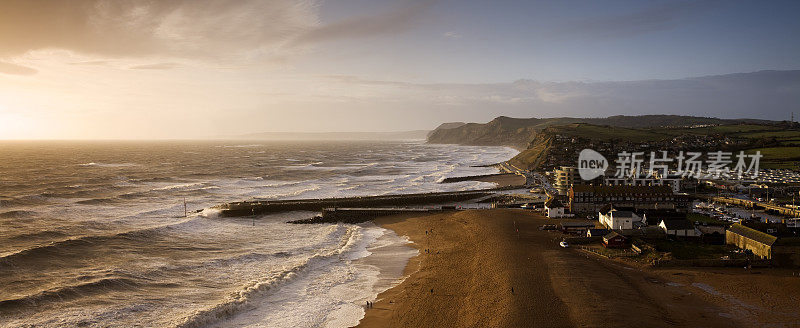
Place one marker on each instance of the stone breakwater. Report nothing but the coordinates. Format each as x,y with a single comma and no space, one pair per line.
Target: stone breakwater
317,205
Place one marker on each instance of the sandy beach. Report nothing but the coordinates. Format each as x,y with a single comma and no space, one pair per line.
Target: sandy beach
501,180
495,268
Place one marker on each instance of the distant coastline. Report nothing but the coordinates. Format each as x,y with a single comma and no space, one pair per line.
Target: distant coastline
417,135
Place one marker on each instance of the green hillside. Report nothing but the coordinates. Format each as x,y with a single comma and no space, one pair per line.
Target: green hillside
546,143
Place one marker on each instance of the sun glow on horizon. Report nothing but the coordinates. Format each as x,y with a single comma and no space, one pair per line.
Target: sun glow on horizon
166,69
15,126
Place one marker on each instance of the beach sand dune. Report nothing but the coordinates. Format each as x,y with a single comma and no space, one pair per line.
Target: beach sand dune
495,268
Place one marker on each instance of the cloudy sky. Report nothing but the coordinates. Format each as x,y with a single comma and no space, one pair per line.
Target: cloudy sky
75,69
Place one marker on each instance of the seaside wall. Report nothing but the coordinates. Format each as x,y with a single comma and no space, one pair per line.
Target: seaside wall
317,205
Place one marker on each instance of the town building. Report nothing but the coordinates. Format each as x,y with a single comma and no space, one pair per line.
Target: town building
654,217
673,182
793,223
565,177
576,227
783,248
597,232
584,199
553,208
760,243
616,220
614,240
679,228
711,233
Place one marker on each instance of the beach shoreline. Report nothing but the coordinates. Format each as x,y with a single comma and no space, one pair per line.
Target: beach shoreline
469,261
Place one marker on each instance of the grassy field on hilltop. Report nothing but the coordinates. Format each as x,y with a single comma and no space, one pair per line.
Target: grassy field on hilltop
729,129
779,157
780,135
601,132
783,151
750,131
779,144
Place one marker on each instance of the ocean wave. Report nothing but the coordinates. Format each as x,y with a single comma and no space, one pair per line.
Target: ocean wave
280,184
25,200
239,300
294,193
239,146
57,248
182,186
38,235
93,164
223,262
13,214
68,292
97,201
153,179
210,213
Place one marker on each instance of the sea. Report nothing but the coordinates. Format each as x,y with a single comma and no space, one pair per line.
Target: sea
123,233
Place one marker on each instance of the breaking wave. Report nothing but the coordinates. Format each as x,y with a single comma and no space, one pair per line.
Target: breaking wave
16,214
239,300
59,248
93,164
68,292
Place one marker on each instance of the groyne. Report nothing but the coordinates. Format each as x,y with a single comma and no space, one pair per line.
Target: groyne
317,205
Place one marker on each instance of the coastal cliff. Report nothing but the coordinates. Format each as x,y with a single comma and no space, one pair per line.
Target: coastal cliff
536,138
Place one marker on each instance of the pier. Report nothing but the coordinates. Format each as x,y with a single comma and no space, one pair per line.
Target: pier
318,205
503,180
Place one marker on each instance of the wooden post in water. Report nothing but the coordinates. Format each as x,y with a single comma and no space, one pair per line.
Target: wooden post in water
185,211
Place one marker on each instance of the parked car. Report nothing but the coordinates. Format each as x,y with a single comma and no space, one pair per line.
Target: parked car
563,244
548,227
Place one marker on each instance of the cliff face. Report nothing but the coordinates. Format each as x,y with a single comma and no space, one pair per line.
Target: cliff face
502,131
519,132
533,137
533,157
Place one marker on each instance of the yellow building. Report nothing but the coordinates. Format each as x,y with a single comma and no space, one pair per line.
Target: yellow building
760,243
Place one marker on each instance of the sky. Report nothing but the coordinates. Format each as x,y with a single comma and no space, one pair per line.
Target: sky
152,69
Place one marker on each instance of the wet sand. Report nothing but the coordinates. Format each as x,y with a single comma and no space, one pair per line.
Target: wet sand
503,180
500,179
476,257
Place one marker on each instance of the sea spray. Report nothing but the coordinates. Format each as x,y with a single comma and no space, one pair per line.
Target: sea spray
239,300
118,222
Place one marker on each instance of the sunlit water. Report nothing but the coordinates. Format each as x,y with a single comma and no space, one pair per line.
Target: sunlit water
94,234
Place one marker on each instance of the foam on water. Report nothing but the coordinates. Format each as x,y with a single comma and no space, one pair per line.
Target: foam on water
333,293
90,239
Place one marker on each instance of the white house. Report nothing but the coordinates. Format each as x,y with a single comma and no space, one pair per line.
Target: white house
614,219
683,228
553,208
